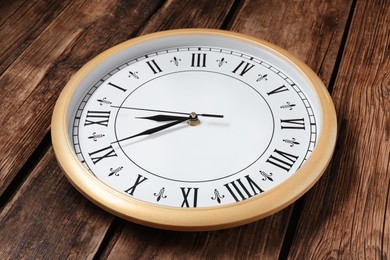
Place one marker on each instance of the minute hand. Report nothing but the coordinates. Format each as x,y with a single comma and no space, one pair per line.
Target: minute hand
154,130
165,111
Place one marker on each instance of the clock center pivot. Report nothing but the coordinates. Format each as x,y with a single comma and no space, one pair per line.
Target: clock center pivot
194,120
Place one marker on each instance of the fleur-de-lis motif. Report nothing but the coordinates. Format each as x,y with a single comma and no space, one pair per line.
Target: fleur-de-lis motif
218,197
176,61
288,106
266,176
95,136
115,171
160,195
221,62
104,101
292,142
261,77
133,74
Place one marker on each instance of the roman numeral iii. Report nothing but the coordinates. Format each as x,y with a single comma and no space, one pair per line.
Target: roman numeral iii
198,60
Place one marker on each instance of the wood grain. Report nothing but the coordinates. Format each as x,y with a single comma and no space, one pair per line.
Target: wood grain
346,214
48,219
31,84
263,238
17,32
310,30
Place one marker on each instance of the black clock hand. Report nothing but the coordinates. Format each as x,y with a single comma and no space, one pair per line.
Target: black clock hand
163,118
154,130
164,111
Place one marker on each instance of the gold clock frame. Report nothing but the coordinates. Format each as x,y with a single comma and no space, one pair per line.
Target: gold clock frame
194,219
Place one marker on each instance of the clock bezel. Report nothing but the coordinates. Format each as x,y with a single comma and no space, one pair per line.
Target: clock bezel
194,219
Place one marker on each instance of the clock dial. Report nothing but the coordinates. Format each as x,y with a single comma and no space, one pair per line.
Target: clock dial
267,131
200,120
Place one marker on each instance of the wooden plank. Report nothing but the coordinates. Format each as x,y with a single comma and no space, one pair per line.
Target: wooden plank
189,14
48,219
17,32
346,215
263,239
31,84
245,242
310,30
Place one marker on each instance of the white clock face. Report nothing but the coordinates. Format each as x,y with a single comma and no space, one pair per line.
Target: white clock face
255,122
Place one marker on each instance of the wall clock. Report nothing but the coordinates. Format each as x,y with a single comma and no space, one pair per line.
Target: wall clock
194,129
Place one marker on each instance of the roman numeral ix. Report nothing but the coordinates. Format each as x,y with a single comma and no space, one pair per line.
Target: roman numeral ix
97,118
101,154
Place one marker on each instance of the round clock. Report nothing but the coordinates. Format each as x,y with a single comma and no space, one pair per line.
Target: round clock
194,129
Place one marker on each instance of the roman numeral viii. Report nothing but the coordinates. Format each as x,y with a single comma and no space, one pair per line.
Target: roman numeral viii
243,189
101,154
282,160
97,118
189,194
295,123
243,68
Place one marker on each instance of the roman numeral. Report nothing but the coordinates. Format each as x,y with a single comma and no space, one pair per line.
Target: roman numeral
140,179
245,67
189,194
153,66
296,123
241,191
99,155
198,60
97,118
116,86
282,160
278,90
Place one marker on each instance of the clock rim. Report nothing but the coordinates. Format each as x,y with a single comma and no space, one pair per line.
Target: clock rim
195,219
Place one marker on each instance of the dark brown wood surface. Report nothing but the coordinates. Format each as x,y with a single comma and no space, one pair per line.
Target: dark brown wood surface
345,215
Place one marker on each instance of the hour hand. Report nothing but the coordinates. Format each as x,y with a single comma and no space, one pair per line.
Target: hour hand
163,118
154,129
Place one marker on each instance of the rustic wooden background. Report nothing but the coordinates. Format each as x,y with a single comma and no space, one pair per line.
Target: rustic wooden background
345,215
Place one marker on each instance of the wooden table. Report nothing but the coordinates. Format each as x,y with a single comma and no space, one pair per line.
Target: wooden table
345,215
